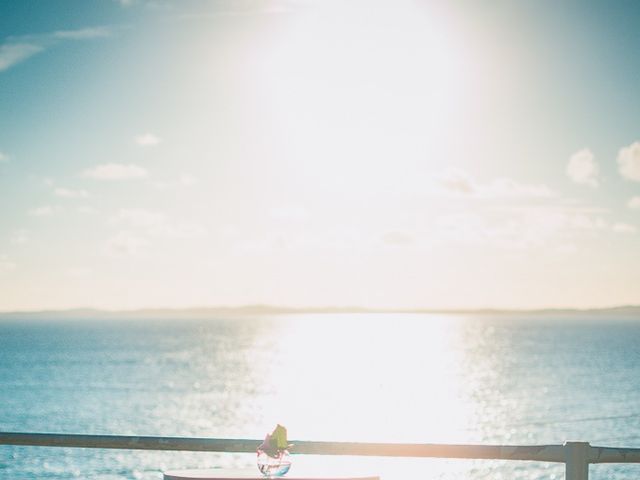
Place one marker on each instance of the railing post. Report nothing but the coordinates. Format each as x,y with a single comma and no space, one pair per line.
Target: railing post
577,460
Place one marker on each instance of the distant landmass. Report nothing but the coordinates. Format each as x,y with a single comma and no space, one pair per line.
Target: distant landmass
253,310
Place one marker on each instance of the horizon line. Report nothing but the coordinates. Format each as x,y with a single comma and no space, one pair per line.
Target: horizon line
267,309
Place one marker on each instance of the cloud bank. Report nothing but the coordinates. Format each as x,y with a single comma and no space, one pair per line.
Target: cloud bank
629,162
12,54
460,182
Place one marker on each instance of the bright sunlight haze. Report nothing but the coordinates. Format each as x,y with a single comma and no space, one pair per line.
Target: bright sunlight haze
313,154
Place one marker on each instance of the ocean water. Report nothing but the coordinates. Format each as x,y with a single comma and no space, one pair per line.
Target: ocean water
366,377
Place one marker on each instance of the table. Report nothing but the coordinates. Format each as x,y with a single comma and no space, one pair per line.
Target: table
250,474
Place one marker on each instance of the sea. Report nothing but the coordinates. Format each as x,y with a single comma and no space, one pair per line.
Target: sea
422,378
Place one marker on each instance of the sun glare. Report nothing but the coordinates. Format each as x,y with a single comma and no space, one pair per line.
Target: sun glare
362,89
367,379
352,374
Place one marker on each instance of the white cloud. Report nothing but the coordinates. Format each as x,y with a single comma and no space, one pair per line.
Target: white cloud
115,171
508,188
4,157
524,227
21,48
14,53
460,182
583,169
43,211
147,140
83,33
126,244
241,9
634,203
6,264
624,228
70,193
629,162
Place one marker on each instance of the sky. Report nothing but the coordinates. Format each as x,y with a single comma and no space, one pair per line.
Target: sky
405,154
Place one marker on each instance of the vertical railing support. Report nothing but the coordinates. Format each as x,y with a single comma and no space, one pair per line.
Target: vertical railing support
577,460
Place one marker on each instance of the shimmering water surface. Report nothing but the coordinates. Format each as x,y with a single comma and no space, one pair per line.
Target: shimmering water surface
396,378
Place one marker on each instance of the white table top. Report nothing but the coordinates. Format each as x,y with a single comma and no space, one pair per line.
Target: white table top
250,474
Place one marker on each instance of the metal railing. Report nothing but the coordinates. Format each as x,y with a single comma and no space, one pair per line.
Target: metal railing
575,455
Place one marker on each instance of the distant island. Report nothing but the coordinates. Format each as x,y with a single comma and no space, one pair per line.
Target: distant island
254,310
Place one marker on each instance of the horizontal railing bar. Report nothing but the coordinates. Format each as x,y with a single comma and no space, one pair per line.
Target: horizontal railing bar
614,455
542,453
129,442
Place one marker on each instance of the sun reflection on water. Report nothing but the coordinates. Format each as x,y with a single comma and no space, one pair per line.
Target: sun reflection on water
365,378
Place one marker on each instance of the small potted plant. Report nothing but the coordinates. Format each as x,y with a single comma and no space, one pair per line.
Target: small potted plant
273,454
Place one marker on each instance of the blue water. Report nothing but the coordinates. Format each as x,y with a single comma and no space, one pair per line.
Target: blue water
405,378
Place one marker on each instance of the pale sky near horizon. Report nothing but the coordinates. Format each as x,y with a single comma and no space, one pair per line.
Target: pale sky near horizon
319,153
